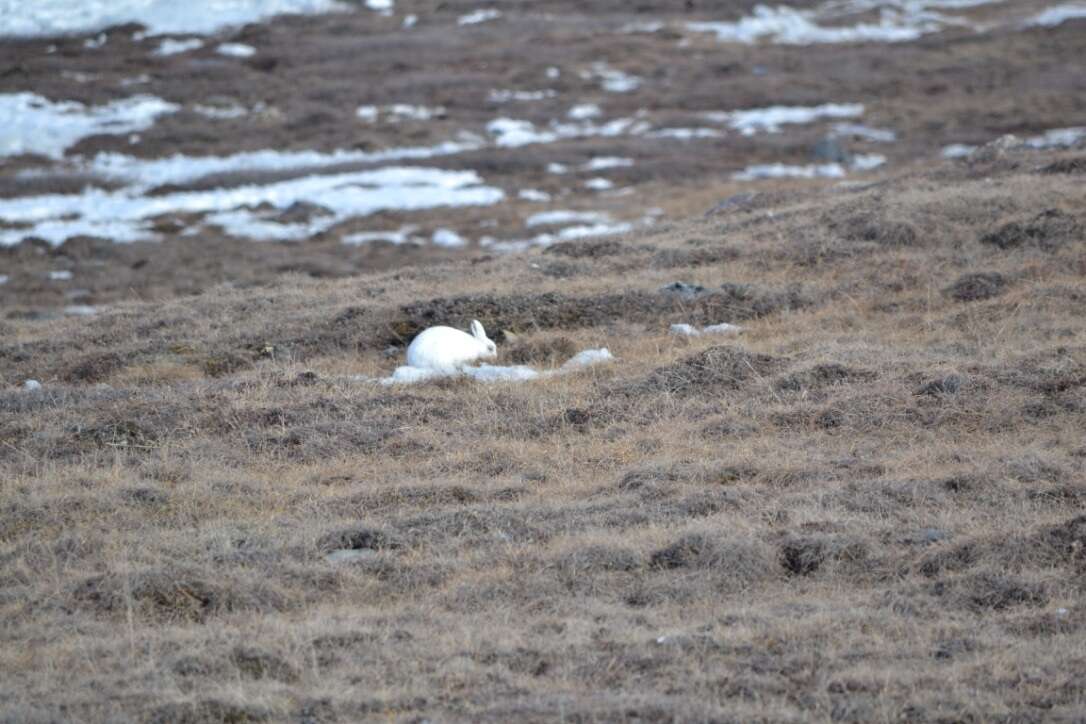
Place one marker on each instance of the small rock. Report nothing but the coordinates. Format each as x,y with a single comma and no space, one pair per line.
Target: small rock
31,385
684,290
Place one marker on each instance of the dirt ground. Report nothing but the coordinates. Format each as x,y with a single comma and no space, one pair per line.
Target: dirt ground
870,505
309,74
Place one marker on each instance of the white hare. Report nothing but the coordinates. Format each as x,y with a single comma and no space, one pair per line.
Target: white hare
447,349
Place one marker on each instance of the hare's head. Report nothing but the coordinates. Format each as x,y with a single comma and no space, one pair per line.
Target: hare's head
479,333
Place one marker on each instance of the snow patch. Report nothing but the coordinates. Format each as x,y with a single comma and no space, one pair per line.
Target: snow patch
687,330
534,195
507,96
555,218
176,47
1058,15
30,123
244,211
769,120
42,18
604,163
584,111
449,239
406,375
611,79
392,237
788,26
236,50
479,16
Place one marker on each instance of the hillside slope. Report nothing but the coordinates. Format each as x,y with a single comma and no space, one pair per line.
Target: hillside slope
868,506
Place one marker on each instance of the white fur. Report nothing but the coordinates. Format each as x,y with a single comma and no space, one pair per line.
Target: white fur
447,349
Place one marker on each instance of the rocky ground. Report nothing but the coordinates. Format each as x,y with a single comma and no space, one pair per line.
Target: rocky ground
866,506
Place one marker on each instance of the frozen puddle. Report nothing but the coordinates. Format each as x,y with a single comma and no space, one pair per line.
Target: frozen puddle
406,375
30,123
244,211
160,17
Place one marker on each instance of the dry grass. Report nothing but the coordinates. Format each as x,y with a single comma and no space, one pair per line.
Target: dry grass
867,508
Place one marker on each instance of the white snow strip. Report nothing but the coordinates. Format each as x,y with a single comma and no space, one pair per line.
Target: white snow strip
160,17
406,375
599,184
511,133
867,161
1057,138
398,112
782,170
584,111
613,80
788,26
392,237
685,134
534,195
557,168
769,120
236,50
507,96
175,47
603,163
382,6
448,239
179,170
555,218
125,215
856,130
1058,15
479,16
3,279
60,276
30,123
687,330
225,112
957,150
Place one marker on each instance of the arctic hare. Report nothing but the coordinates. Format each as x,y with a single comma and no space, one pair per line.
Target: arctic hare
448,349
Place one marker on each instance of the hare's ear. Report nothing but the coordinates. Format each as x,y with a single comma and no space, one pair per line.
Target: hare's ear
477,330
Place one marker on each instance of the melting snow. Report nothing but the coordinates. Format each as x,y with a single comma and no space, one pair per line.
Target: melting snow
406,375
382,6
584,111
1058,15
160,17
125,215
877,135
392,237
534,195
603,163
399,111
30,123
769,120
554,218
599,184
60,276
448,238
823,170
175,47
479,16
787,26
685,134
957,150
505,96
236,50
613,80
1057,138
687,330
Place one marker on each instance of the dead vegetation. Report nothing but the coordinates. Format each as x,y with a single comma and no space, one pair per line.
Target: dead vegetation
868,506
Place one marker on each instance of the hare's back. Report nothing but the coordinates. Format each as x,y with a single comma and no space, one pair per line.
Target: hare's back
441,347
